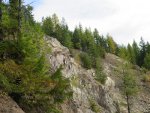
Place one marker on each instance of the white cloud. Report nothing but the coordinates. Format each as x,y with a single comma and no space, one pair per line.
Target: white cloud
125,20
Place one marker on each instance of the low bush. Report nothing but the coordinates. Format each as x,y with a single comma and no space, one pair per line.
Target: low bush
99,74
86,60
146,78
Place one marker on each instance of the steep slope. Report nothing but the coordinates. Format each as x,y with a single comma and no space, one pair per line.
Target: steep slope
140,102
89,95
86,90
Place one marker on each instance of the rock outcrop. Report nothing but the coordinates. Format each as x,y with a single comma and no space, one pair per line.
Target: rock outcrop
108,98
85,87
7,105
89,96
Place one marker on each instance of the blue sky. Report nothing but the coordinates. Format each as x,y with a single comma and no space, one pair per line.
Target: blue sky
35,3
125,20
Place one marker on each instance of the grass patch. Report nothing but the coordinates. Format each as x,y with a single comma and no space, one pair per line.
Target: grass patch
75,81
94,106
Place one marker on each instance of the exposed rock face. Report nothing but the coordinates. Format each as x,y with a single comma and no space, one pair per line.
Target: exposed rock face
141,102
7,105
86,90
108,97
85,87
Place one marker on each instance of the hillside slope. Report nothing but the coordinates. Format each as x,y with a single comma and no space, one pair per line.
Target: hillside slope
88,92
89,96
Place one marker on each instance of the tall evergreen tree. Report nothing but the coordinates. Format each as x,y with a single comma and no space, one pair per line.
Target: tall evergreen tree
55,21
135,51
27,13
48,26
76,38
103,42
19,15
147,61
142,52
96,36
14,17
123,52
129,84
111,44
66,36
147,47
131,55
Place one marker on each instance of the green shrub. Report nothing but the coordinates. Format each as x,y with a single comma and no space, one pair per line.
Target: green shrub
4,84
86,60
146,78
75,81
24,72
99,74
62,89
100,77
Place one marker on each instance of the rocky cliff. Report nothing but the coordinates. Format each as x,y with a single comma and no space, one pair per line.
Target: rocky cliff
89,96
87,92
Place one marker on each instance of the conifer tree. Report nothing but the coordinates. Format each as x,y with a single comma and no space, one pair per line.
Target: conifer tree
129,84
131,55
142,53
111,44
14,4
147,61
19,15
96,36
66,36
76,39
136,51
47,26
123,52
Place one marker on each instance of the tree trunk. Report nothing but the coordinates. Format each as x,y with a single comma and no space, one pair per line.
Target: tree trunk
19,20
128,104
19,15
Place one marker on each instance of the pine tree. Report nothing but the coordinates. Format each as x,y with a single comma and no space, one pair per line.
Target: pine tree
131,55
147,47
19,15
55,20
142,53
47,26
111,44
14,17
136,51
76,39
129,84
66,36
123,52
147,61
96,36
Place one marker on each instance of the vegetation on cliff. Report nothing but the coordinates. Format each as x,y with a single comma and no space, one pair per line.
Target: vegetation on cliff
24,69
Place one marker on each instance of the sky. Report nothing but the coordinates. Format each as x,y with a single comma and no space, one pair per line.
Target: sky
124,20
